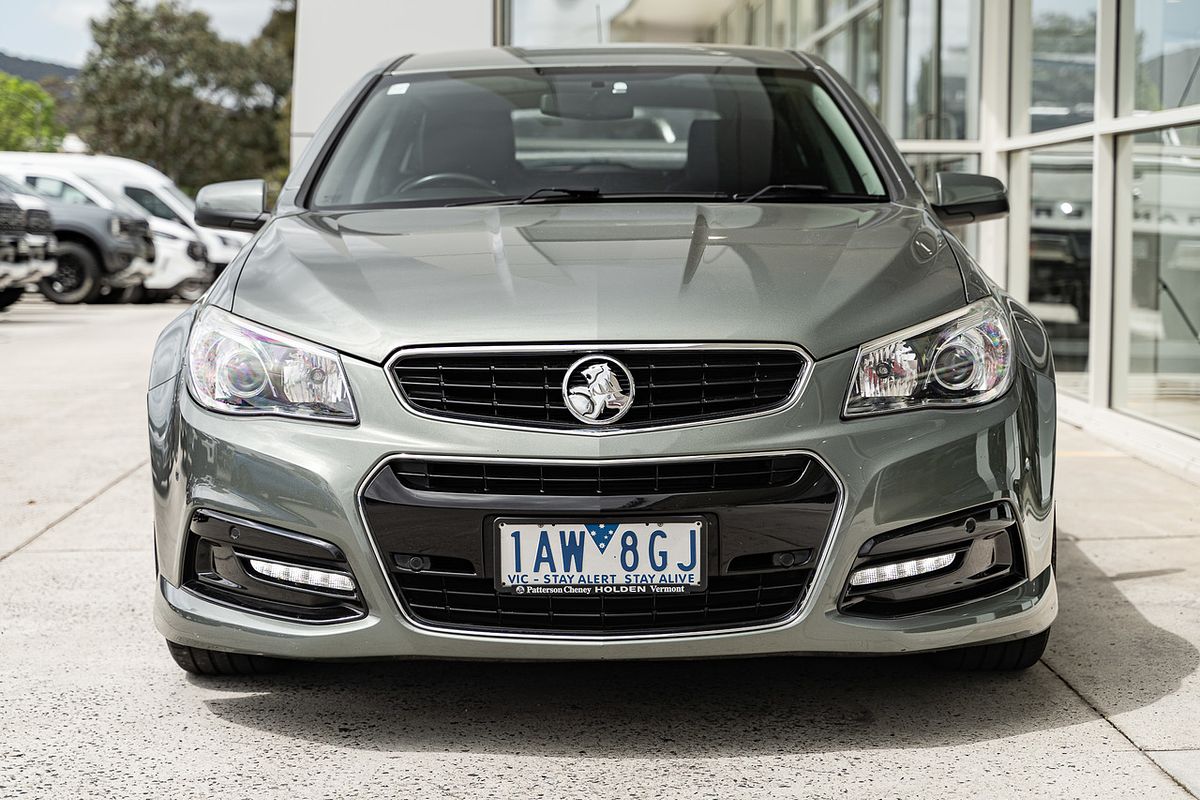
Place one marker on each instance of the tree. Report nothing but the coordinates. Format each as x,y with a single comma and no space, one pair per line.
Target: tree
27,120
66,106
275,47
1064,60
160,86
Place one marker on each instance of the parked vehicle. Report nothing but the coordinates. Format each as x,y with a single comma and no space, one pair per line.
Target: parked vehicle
181,260
98,253
474,395
12,234
153,191
41,244
38,247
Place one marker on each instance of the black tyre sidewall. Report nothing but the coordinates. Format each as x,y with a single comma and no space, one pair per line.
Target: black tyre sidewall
215,663
93,279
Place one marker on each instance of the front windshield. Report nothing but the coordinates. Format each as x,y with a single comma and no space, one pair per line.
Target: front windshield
178,194
119,201
12,187
447,139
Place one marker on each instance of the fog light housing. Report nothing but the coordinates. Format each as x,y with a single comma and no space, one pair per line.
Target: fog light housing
266,570
899,570
302,576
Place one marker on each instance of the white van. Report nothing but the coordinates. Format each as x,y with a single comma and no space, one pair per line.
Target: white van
150,189
180,265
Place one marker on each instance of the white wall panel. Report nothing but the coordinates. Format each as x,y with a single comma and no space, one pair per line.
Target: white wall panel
339,40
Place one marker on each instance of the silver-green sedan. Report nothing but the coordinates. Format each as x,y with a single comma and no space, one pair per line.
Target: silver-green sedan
618,353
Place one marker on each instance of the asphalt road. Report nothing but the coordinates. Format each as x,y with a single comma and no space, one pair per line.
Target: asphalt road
91,705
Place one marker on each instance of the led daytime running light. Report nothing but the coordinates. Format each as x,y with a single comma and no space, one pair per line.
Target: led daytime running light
900,570
304,576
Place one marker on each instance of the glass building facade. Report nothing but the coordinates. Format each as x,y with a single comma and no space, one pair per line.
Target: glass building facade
1088,109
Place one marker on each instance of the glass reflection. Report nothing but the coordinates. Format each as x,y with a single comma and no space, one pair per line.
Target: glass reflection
941,64
1166,62
1158,328
535,23
1060,255
853,50
1062,66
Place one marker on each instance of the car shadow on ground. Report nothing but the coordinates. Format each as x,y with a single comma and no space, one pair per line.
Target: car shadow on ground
697,709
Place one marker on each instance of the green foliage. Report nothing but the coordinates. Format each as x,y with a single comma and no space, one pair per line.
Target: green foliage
1061,33
160,86
277,45
1064,47
27,120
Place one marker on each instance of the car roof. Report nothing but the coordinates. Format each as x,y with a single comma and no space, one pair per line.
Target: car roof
622,55
94,164
45,169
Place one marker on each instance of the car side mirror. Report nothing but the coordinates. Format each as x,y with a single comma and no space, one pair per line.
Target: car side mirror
963,198
237,205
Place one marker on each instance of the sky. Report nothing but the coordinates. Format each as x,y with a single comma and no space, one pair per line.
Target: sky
57,30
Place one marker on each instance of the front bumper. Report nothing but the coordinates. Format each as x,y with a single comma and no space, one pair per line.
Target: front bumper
10,273
894,471
135,274
40,269
173,268
42,259
26,270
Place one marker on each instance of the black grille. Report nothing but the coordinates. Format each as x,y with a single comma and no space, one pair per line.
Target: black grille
729,600
671,385
582,480
10,218
38,221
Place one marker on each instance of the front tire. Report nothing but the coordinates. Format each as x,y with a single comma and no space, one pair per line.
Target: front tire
1011,656
214,663
78,279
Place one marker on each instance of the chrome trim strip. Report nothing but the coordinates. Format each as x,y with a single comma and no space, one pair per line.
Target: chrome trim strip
801,608
599,348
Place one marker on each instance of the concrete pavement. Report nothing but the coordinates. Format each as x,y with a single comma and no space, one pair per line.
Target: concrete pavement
92,706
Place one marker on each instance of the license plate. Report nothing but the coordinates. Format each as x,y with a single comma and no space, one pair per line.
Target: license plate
600,558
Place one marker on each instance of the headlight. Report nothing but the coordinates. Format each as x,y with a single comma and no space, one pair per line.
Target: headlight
166,237
963,358
237,367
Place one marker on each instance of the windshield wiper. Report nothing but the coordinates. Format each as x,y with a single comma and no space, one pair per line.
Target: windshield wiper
546,193
805,191
788,190
553,192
